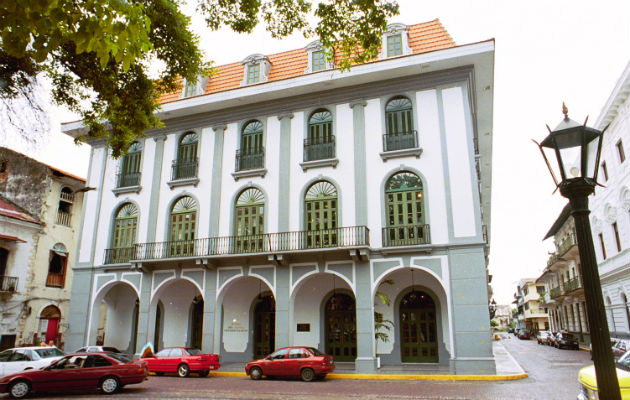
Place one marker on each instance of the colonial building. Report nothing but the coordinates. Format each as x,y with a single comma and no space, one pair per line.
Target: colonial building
532,317
610,208
40,208
564,292
283,194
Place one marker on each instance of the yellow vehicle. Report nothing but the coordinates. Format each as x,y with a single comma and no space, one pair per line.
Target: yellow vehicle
588,383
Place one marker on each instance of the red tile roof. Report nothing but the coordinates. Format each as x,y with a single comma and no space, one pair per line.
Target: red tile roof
10,210
423,37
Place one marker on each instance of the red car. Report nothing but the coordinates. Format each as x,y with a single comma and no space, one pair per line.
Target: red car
79,371
307,363
183,361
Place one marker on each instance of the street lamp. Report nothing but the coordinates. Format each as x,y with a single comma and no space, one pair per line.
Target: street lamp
492,307
577,149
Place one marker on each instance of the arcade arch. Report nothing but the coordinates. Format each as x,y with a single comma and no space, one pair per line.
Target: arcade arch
115,311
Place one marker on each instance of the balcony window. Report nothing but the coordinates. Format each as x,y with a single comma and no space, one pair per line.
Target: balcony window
251,154
602,245
404,202
129,174
605,170
320,211
7,283
320,143
399,125
124,237
187,163
183,227
249,221
617,238
620,152
66,198
57,263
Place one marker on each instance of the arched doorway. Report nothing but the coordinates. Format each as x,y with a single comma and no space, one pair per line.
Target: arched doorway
418,328
264,326
49,324
341,327
196,322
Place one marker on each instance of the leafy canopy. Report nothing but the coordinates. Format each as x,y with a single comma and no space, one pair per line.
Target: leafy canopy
101,54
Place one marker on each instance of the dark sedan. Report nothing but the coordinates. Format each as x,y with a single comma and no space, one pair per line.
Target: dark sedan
307,363
566,340
80,371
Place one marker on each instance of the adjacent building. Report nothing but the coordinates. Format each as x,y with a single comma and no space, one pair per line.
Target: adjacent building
40,208
283,194
531,314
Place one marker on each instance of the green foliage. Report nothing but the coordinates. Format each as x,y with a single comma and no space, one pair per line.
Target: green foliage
494,323
379,322
98,52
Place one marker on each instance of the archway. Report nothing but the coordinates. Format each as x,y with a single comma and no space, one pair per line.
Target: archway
115,313
418,328
49,324
341,327
264,325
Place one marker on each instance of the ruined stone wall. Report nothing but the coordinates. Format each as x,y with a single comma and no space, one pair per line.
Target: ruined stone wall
24,181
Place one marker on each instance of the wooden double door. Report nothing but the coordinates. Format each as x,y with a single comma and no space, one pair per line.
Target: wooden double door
418,328
341,327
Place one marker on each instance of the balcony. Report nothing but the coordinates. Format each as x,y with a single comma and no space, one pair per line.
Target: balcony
119,255
63,218
566,244
250,159
401,144
67,197
128,179
319,148
184,173
572,285
406,235
555,292
55,280
8,284
345,237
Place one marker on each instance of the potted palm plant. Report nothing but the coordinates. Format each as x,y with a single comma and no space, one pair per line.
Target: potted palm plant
382,326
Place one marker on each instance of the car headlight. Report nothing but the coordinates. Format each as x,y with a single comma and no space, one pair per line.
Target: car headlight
589,394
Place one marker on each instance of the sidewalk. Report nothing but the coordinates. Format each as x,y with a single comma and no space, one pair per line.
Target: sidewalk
506,366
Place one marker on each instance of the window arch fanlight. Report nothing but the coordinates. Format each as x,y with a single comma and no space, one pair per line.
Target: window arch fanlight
187,162
404,205
400,133
249,221
124,234
251,153
183,226
320,143
321,215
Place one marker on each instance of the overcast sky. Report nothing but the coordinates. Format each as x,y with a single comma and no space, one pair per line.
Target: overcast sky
546,52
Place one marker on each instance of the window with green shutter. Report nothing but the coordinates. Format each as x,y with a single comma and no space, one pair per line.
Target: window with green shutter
186,164
183,227
404,201
253,73
249,221
320,143
400,133
320,211
251,153
130,166
318,60
124,237
394,45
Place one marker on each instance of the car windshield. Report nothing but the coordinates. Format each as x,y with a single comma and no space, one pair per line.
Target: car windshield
123,358
49,352
315,351
193,352
111,349
567,336
624,362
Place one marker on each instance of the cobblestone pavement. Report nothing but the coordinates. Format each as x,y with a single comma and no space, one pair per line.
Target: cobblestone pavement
552,376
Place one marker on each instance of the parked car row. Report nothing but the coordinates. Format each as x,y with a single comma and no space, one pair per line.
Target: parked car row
558,340
48,369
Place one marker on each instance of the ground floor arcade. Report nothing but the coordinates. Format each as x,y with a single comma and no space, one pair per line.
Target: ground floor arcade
437,314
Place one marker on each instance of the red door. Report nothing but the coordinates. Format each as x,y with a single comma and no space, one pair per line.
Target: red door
51,331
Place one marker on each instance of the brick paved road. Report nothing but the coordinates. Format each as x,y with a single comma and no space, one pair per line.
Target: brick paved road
552,376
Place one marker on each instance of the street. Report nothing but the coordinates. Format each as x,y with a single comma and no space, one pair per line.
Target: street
552,376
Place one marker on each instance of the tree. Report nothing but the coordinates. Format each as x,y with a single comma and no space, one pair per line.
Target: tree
98,53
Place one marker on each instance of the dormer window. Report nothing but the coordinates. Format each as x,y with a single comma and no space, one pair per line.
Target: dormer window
194,88
316,58
257,68
395,41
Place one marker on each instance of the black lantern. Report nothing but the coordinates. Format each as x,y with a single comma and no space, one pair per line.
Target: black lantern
493,308
577,149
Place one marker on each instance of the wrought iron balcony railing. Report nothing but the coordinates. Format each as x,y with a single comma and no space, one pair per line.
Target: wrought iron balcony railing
406,235
127,179
67,197
353,236
555,292
184,169
400,141
250,159
566,244
119,255
8,283
319,148
571,285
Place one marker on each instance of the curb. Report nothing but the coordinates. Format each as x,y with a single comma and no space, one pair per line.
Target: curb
403,377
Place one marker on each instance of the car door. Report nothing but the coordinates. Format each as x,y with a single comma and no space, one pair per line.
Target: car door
4,359
93,369
17,362
295,362
172,361
62,375
275,364
157,362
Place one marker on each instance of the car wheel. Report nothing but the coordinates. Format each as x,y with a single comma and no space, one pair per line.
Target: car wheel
307,375
109,385
183,370
255,373
203,374
19,389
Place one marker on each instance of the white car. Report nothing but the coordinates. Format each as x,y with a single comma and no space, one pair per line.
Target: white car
22,358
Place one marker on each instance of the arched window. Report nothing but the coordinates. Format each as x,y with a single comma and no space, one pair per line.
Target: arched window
183,226
404,205
320,143
251,154
320,212
249,221
399,125
611,324
57,264
124,236
187,162
66,198
130,166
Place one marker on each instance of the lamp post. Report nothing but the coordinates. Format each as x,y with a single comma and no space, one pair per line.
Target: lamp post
492,307
577,149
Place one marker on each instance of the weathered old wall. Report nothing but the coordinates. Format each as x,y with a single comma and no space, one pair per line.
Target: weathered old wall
24,181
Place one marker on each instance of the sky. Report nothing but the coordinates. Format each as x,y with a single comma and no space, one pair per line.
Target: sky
546,52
